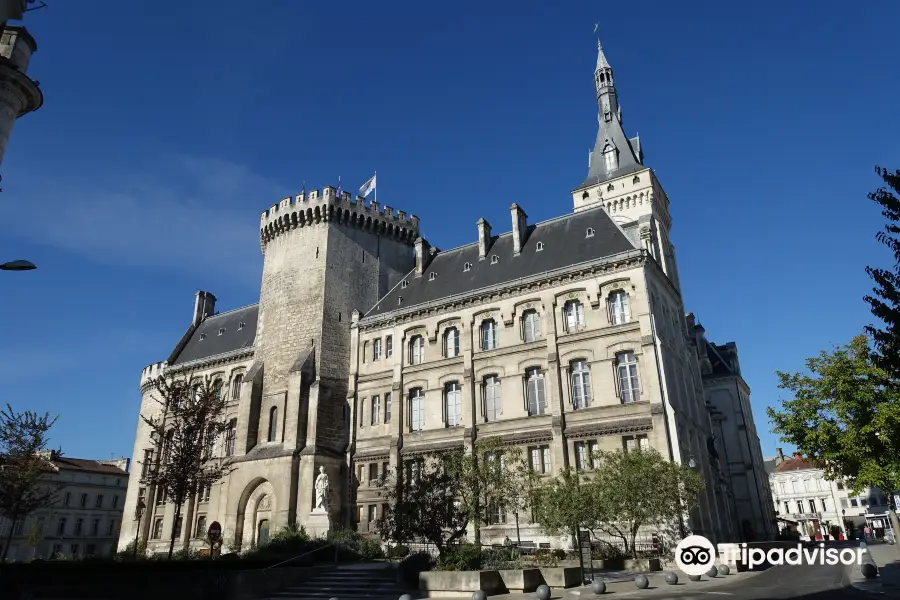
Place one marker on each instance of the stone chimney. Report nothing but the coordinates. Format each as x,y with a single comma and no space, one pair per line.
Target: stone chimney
484,238
519,227
423,255
204,306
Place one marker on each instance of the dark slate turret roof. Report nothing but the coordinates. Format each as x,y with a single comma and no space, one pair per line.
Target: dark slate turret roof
565,244
205,342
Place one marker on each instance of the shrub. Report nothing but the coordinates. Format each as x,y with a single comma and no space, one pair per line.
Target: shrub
501,558
370,549
558,554
464,557
409,568
290,534
545,558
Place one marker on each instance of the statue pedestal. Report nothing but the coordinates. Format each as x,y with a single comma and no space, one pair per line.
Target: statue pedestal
318,524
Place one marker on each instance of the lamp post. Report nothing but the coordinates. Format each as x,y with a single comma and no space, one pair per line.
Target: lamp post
138,513
18,265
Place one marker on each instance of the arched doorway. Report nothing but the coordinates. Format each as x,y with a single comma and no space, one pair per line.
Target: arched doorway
257,505
262,532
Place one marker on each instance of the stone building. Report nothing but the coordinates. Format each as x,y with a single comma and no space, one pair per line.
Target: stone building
86,517
369,346
19,94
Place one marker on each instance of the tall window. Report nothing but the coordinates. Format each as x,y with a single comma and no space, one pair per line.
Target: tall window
230,438
217,389
540,459
200,531
389,346
451,342
618,308
610,161
492,410
417,409
573,311
95,527
273,423
531,325
626,369
146,465
584,455
581,384
362,412
79,524
210,441
417,350
453,404
157,529
636,442
376,349
387,407
376,409
61,526
98,502
534,392
236,386
489,334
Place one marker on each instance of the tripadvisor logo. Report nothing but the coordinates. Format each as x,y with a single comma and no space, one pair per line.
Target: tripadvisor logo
695,555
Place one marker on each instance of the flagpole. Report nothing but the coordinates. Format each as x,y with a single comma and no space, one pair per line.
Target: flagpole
376,187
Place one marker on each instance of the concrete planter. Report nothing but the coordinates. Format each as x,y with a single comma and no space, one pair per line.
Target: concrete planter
561,577
521,580
456,583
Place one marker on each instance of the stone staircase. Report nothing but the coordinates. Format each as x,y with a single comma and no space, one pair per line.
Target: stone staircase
370,581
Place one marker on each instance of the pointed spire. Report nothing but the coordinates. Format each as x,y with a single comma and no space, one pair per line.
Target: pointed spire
602,63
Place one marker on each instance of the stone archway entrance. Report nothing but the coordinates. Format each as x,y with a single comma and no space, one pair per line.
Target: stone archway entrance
254,517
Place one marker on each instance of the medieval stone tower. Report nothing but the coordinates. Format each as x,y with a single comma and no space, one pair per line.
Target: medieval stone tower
324,257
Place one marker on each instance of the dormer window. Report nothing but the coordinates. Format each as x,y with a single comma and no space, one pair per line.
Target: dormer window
399,300
403,284
221,330
610,160
610,187
539,247
202,336
467,266
636,179
432,276
495,259
241,326
590,232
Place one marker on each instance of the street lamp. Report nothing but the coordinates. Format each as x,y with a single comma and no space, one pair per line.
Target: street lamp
18,265
138,513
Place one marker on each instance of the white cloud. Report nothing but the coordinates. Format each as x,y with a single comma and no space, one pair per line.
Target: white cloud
188,213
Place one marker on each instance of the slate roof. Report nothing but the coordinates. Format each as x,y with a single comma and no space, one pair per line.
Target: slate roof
565,244
205,341
83,464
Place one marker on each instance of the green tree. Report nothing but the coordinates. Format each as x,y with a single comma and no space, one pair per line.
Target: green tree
843,416
885,298
25,463
185,426
626,491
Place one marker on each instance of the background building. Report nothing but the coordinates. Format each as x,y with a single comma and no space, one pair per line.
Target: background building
19,94
86,518
560,337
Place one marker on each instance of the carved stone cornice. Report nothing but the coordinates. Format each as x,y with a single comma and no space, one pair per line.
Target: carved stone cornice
620,427
204,364
511,289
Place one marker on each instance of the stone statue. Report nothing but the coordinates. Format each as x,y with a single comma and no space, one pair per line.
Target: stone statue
322,491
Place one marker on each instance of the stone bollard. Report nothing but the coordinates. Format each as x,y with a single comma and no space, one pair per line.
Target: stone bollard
694,577
713,572
672,578
724,569
543,592
598,586
869,570
641,582
479,595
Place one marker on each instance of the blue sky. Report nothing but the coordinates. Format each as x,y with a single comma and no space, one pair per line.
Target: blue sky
164,134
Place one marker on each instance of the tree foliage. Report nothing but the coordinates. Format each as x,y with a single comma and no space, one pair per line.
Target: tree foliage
843,416
626,491
25,463
188,421
885,298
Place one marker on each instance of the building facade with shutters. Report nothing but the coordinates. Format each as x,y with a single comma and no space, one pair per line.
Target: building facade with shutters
85,518
560,337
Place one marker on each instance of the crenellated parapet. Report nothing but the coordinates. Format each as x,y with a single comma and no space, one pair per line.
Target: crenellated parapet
151,372
314,207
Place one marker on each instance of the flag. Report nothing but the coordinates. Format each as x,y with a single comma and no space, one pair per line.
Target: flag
368,187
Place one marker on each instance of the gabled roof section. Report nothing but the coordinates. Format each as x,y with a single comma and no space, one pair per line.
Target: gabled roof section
564,241
64,463
796,463
206,341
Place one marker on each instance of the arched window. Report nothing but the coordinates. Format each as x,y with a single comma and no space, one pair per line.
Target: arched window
273,423
416,409
610,160
231,438
416,350
534,392
236,386
453,404
489,334
451,342
492,409
618,308
581,384
573,311
531,325
626,369
210,441
217,390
